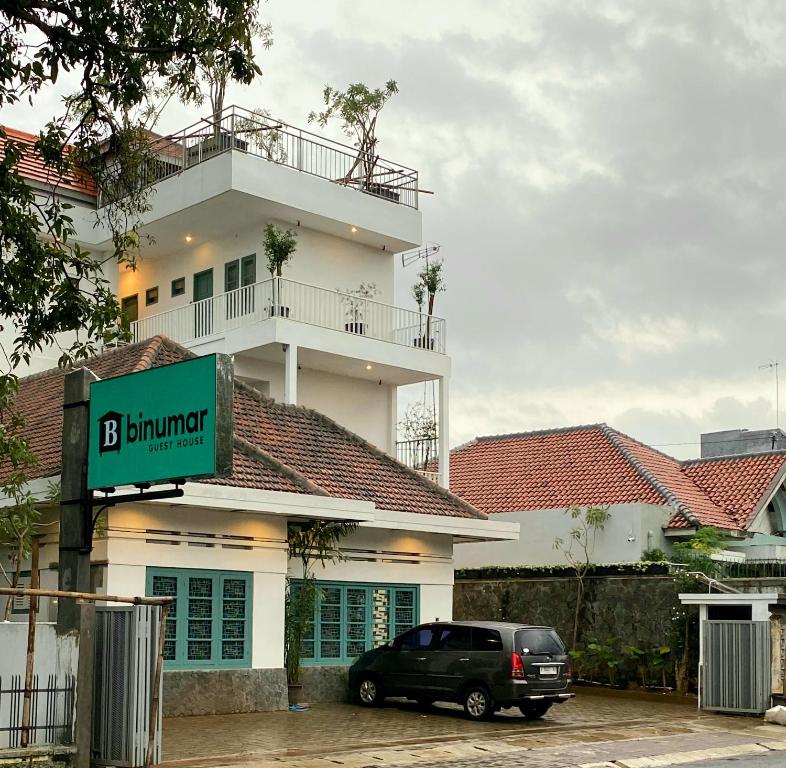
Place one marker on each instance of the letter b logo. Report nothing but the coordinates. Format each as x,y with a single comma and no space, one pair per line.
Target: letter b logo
109,437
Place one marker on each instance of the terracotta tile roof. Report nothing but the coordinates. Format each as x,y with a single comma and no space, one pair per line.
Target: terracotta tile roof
32,166
277,447
597,465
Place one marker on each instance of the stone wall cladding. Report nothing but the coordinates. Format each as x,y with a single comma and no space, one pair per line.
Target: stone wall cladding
324,684
224,691
635,609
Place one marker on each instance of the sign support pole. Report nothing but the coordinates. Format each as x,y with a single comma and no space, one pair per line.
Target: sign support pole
75,507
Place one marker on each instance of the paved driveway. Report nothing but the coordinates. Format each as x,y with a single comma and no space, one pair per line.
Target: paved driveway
330,729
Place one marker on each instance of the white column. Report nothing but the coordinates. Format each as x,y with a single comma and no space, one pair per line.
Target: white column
444,432
290,374
393,409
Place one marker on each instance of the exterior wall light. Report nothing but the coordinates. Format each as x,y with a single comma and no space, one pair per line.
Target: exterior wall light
354,229
189,238
369,367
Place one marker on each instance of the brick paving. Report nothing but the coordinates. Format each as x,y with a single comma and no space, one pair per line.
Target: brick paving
589,730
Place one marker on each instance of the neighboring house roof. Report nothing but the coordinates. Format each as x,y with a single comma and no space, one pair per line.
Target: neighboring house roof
33,168
597,465
277,447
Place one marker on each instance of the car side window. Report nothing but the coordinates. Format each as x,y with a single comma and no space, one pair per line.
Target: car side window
486,639
418,639
455,638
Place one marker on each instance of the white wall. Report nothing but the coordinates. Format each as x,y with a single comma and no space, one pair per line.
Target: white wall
55,654
540,528
320,259
130,551
397,557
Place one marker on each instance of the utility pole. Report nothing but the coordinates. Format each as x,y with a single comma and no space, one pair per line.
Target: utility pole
773,366
75,508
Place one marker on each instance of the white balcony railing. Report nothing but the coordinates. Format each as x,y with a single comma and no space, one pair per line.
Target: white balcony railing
237,129
287,299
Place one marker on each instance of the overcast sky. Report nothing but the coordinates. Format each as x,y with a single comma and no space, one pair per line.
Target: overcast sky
610,191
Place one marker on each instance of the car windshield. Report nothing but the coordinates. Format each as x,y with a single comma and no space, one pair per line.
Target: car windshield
539,642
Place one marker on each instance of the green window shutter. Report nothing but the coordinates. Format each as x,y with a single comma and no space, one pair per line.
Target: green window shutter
209,624
231,275
248,270
350,619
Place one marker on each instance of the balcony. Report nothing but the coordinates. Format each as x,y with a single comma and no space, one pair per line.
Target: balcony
420,454
282,299
248,132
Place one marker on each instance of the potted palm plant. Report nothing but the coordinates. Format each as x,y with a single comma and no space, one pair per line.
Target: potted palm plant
430,282
309,542
279,245
355,301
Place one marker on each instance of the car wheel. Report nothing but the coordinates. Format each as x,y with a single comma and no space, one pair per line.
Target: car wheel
369,692
477,703
534,710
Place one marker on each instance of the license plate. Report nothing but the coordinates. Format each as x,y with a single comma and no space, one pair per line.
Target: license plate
546,671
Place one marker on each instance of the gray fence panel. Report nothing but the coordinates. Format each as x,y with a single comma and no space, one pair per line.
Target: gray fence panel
126,648
736,666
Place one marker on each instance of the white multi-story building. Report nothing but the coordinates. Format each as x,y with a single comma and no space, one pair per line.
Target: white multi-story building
304,339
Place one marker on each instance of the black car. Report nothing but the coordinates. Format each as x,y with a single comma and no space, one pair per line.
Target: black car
486,666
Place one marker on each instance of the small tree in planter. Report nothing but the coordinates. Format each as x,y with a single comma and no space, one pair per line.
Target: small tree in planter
418,427
279,245
311,542
431,281
358,109
356,302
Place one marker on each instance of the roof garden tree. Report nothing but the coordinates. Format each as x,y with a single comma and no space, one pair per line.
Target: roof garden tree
122,50
589,523
358,108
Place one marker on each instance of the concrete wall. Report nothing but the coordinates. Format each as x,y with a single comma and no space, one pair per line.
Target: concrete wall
55,654
631,529
734,441
364,407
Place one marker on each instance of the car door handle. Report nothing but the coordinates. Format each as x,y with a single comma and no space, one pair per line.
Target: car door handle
464,659
422,658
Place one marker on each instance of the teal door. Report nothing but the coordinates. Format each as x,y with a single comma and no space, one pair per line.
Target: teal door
203,310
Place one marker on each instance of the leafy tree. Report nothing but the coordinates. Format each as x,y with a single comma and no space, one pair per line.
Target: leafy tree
358,108
418,426
431,281
127,53
279,245
578,549
19,519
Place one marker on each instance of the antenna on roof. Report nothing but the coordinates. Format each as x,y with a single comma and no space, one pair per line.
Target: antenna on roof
426,252
773,366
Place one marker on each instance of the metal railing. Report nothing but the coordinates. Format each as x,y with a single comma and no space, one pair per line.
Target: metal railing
421,454
256,134
287,299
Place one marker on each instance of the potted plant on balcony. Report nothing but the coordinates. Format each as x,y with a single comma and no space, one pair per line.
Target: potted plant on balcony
309,542
355,301
279,245
430,282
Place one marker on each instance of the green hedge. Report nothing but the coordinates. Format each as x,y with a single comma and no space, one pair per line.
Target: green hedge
561,571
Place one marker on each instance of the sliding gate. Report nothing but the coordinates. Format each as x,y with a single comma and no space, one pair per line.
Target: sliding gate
735,674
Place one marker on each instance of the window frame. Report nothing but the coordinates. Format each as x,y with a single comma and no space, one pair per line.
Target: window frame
181,290
182,575
151,296
343,659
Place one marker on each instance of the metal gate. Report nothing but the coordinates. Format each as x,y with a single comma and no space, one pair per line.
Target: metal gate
125,664
735,675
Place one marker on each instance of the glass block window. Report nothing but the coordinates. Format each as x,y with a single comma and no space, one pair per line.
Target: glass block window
209,624
350,619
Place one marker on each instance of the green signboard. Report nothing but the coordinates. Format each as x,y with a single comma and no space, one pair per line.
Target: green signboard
168,423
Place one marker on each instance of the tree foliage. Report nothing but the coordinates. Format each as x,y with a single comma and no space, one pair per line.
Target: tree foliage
127,54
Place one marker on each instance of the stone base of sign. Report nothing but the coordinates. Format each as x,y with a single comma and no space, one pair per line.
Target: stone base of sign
224,691
324,684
